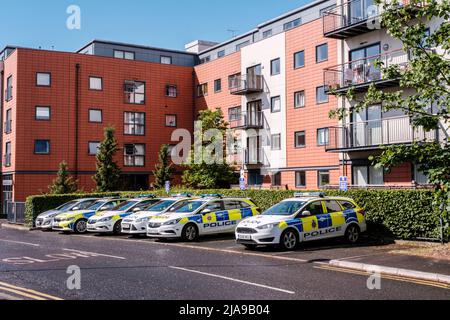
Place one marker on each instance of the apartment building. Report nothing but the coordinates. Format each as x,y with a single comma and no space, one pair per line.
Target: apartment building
271,83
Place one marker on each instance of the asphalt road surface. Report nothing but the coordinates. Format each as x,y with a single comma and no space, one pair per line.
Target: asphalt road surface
34,266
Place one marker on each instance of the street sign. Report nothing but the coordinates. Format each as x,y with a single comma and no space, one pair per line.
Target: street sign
242,185
168,186
343,184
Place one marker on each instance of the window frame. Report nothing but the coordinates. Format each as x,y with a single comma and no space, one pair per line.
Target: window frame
8,164
231,113
9,88
304,99
171,115
42,119
134,124
101,83
272,100
317,52
167,93
327,142
220,54
297,184
89,115
8,122
134,156
296,133
89,147
49,79
215,83
278,135
267,34
134,93
319,173
124,52
162,57
204,93
295,60
272,67
42,153
325,94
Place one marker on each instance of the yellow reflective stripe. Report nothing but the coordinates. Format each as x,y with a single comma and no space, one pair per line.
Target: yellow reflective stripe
255,212
184,220
308,224
337,218
361,218
115,218
210,218
283,225
235,215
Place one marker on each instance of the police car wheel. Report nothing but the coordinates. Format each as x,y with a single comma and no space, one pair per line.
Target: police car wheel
189,233
352,234
289,240
117,229
80,226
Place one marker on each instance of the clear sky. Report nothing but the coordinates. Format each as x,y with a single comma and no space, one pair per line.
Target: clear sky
163,23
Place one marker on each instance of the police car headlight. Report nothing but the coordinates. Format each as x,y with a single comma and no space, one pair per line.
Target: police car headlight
106,219
267,226
171,222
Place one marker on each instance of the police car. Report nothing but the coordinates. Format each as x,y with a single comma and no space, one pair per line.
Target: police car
76,221
307,217
211,214
44,221
136,224
111,221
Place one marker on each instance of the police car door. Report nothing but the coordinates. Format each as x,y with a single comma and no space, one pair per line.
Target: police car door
209,217
316,222
232,214
336,214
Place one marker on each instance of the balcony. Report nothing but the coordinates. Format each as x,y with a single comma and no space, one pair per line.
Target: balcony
360,74
370,135
246,84
254,156
249,121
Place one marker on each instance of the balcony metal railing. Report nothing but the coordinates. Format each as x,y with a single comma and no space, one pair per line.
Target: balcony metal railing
373,134
362,72
246,84
254,120
253,156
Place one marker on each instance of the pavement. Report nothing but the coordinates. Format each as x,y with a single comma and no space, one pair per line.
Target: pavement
36,265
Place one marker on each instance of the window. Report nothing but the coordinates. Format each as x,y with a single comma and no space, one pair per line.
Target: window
233,81
300,139
134,92
93,148
267,34
221,54
333,206
217,85
202,90
322,53
95,116
299,99
275,104
9,95
8,121
324,178
42,147
275,67
315,208
242,45
171,91
299,59
292,24
171,120
323,137
134,155
347,205
276,142
43,113
205,59
134,123
300,179
321,96
420,177
234,114
368,175
276,179
95,83
127,55
166,60
43,79
7,160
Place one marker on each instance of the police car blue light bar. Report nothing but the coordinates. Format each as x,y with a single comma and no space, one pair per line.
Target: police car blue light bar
213,195
310,194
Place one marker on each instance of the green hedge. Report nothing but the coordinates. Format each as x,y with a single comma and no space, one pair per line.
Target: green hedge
404,214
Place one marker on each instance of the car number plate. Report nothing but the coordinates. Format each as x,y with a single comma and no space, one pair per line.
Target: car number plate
126,225
245,237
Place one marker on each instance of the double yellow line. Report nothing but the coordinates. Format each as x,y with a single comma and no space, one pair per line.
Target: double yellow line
25,293
386,276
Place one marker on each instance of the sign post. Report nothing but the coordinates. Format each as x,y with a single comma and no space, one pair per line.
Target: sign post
167,186
242,182
343,184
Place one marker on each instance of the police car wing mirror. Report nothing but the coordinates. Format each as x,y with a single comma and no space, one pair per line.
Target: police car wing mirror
136,209
206,211
76,209
306,213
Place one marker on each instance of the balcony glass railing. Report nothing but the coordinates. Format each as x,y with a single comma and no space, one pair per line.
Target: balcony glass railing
251,120
254,156
247,84
373,134
363,71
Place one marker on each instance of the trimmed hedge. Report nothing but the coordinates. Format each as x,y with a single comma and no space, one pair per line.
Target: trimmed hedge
404,214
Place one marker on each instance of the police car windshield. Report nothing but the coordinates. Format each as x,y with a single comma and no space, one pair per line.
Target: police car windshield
96,205
285,208
124,206
68,206
161,206
187,206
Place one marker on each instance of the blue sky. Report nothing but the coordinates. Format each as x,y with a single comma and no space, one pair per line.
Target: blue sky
167,24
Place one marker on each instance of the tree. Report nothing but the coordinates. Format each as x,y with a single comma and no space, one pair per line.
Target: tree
163,169
203,174
107,177
64,183
427,81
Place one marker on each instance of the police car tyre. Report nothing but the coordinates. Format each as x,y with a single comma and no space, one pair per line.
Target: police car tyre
80,226
289,240
117,229
352,234
189,233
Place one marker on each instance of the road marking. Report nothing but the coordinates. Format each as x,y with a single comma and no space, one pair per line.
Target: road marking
26,292
233,280
94,254
19,242
385,276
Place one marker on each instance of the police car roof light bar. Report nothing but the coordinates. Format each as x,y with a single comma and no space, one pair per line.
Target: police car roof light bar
310,194
213,195
146,196
179,195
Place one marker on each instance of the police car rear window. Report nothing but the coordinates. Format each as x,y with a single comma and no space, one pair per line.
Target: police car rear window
348,205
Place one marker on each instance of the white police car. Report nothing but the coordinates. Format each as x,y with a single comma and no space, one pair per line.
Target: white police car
307,217
111,221
212,214
136,223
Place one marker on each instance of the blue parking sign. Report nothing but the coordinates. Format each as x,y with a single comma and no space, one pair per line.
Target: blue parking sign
343,183
242,184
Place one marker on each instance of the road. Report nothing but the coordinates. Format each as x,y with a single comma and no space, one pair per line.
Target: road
34,265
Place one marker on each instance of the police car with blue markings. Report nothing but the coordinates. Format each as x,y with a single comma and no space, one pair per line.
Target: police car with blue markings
307,217
211,214
136,223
